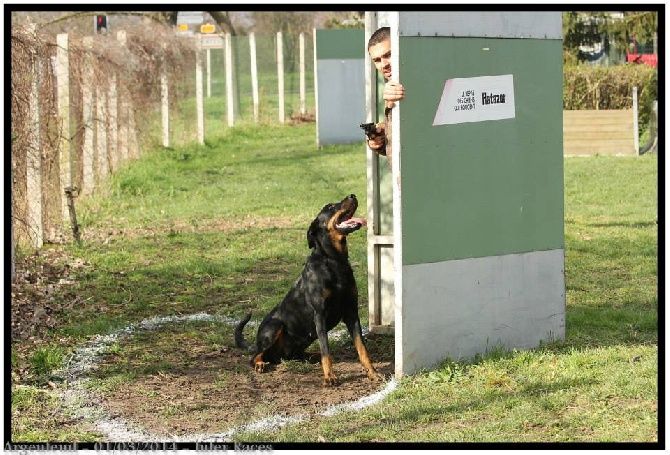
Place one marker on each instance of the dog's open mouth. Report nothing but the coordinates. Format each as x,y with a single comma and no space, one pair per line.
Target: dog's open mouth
351,224
348,223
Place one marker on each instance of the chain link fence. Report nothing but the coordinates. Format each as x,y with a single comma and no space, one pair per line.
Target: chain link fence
83,107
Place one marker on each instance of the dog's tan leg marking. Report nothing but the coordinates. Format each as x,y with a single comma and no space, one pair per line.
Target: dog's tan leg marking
364,358
329,378
259,364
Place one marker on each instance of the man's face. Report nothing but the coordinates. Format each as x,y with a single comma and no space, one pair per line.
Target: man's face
380,54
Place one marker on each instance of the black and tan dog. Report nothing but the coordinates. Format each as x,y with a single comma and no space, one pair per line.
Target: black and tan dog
324,294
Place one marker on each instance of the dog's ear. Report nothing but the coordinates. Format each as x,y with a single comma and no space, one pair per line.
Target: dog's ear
311,233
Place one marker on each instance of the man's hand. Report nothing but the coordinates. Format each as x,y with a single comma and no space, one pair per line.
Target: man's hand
378,141
393,91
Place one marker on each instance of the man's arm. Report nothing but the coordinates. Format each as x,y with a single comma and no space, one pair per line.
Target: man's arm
393,91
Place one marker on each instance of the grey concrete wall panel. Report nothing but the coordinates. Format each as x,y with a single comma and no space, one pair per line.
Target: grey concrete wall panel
470,306
341,100
486,24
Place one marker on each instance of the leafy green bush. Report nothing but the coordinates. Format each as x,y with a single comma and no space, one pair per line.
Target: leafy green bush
610,87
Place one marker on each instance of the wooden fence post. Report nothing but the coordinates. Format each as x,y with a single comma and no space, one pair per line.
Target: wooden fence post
34,152
209,73
199,102
112,104
101,136
254,74
654,126
88,181
63,98
636,131
280,76
230,89
123,111
165,103
133,144
302,74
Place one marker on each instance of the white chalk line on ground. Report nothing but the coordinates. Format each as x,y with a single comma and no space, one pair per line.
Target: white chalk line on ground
85,405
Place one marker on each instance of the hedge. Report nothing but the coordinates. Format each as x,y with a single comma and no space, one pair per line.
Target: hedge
610,87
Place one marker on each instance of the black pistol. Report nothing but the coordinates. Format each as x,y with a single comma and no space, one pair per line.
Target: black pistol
370,129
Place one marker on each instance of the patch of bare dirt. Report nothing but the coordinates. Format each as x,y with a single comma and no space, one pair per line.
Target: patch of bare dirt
107,234
39,279
201,391
307,117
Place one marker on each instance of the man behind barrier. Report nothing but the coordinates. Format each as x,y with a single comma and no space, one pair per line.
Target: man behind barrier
379,48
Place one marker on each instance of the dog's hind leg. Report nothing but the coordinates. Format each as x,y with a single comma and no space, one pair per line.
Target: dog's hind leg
269,345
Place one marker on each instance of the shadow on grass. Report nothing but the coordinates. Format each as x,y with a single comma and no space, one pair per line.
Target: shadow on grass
634,225
611,287
175,274
532,389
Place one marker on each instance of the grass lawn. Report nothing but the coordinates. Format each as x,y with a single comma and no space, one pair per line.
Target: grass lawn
221,228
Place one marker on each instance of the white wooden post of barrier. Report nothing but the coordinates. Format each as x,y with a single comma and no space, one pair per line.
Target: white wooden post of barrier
230,93
636,132
123,110
34,153
199,102
165,104
101,136
280,76
113,137
254,74
302,74
63,98
372,164
88,157
209,73
316,81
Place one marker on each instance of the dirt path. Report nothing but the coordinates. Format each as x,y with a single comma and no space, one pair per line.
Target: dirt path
193,389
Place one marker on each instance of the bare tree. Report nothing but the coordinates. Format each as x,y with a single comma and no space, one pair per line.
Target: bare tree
222,18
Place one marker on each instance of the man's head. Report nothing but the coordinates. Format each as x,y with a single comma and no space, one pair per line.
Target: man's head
379,47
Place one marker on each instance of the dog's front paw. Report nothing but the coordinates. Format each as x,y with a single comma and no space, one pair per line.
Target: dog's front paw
375,376
330,380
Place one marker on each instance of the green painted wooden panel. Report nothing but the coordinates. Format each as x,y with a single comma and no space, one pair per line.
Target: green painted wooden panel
487,188
340,44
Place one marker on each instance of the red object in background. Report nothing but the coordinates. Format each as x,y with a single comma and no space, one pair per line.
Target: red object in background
100,24
647,59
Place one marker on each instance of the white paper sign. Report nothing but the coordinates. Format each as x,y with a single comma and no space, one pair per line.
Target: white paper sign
476,99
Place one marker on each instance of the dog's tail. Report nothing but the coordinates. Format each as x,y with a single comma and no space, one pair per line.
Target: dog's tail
240,342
